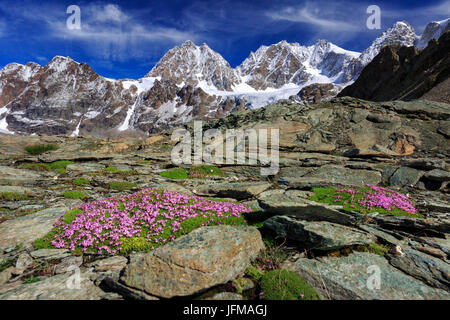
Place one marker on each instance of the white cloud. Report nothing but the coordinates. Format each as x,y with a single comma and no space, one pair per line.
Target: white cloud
313,16
331,17
116,35
108,13
107,31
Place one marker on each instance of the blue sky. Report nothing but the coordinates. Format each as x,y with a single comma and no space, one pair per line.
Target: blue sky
124,39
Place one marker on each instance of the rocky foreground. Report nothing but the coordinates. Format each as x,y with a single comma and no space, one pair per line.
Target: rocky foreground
342,143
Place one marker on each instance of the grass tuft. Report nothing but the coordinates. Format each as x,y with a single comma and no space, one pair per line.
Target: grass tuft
13,196
80,182
73,194
38,149
122,186
286,285
203,171
58,166
31,279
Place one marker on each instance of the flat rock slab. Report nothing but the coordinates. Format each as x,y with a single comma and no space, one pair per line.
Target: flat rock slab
239,191
226,296
59,287
433,271
405,176
74,156
50,254
25,230
345,176
10,174
441,244
206,257
434,110
352,277
116,263
81,168
293,203
18,189
320,235
169,186
438,175
306,182
410,224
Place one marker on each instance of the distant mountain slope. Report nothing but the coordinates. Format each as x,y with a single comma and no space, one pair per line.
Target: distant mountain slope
189,82
405,73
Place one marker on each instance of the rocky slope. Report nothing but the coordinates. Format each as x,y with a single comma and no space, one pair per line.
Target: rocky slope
345,142
189,82
406,73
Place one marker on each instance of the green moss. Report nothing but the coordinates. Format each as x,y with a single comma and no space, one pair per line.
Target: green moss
144,162
70,216
62,164
254,273
177,173
45,241
13,196
136,244
73,194
31,279
122,186
80,182
40,148
6,264
243,285
205,171
111,169
376,248
286,285
61,171
202,171
58,166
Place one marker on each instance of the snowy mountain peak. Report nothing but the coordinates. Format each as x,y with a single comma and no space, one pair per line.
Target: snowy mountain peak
188,43
61,64
433,30
191,64
20,71
401,33
291,63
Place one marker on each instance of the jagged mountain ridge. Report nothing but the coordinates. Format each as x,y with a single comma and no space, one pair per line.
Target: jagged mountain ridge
283,63
67,97
406,73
